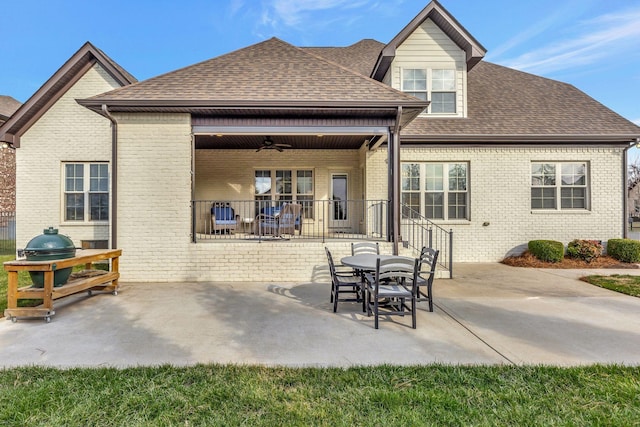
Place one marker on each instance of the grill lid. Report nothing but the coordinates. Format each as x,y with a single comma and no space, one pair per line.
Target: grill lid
50,243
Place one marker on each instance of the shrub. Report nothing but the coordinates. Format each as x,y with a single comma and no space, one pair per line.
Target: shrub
547,250
625,250
586,250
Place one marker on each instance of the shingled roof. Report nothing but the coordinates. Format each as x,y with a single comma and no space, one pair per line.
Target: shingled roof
360,57
505,104
272,73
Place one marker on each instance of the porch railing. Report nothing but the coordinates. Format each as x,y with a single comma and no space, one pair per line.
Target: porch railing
418,231
319,219
7,233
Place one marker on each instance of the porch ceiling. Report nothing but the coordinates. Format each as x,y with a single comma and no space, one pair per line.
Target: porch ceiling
297,142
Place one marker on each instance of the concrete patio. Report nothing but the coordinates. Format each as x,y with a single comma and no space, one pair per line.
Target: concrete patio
488,314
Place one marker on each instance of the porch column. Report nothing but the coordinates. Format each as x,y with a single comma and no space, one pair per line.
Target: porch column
394,189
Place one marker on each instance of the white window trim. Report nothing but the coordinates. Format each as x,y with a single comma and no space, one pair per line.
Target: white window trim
558,187
86,192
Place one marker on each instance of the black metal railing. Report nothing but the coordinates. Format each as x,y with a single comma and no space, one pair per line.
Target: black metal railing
418,231
263,219
7,233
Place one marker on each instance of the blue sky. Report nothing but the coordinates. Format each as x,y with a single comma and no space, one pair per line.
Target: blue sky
592,44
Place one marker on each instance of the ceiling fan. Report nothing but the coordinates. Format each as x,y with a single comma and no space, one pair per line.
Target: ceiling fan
269,144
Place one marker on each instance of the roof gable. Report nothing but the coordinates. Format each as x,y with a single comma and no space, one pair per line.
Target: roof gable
270,73
57,85
447,23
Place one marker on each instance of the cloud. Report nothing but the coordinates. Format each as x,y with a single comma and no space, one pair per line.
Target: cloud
636,121
596,39
297,13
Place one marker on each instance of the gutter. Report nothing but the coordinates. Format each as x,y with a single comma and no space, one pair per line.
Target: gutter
462,139
114,176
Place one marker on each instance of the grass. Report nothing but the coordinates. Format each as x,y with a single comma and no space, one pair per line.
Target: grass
383,395
622,283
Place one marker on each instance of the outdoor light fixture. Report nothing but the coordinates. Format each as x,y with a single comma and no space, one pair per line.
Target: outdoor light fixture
6,145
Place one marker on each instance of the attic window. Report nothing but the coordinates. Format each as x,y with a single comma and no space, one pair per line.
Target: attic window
435,85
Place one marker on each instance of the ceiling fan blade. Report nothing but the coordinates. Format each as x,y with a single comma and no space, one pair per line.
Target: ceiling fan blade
283,145
278,148
259,149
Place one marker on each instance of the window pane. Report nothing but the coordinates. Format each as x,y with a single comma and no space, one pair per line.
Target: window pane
74,207
443,80
283,182
99,206
304,182
573,198
307,206
457,205
443,102
414,79
434,178
434,207
543,198
74,177
543,174
410,177
98,177
263,182
458,177
574,174
411,205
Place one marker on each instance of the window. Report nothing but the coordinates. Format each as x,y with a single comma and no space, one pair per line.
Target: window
559,186
289,185
86,192
443,91
435,190
435,85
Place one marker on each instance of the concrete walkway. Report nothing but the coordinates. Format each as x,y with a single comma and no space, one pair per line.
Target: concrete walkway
488,314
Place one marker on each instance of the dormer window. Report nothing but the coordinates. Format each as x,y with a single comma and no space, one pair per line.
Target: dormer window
435,85
414,82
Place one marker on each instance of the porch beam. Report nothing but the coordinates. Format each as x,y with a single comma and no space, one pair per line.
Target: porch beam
289,130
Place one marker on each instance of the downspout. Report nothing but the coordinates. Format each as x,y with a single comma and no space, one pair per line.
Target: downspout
625,185
395,195
114,176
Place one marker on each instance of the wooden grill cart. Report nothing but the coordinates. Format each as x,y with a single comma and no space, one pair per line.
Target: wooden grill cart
101,281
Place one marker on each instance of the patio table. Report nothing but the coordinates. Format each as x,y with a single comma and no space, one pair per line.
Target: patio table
367,262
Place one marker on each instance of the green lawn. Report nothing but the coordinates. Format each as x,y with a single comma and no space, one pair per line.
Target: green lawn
622,283
383,395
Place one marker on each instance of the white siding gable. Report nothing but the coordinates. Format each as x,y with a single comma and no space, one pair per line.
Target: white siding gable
428,47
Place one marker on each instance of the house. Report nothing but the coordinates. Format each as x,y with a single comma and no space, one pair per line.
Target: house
415,142
8,106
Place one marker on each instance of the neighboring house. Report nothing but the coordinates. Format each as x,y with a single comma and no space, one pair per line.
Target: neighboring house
8,106
378,141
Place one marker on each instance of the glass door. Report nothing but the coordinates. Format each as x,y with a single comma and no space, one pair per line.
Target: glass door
338,202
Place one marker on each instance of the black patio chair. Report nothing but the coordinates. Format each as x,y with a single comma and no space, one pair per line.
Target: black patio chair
344,282
426,273
391,290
